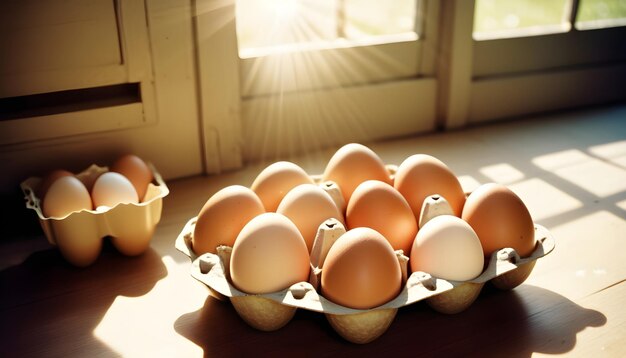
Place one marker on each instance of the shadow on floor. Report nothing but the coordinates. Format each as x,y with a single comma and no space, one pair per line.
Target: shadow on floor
67,303
531,319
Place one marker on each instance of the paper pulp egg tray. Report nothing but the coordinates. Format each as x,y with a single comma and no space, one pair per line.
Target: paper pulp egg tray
505,269
79,235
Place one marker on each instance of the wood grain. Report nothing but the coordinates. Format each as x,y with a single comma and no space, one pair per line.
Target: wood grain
150,306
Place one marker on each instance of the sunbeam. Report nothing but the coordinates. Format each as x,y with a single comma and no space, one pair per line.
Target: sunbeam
297,69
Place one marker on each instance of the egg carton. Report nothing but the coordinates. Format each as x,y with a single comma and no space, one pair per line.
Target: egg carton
79,235
505,270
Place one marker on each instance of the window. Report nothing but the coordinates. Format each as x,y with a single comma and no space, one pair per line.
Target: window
516,18
314,73
595,14
529,57
281,25
295,45
310,74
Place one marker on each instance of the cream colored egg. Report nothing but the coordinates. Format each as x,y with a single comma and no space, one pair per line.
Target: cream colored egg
275,181
111,189
66,195
447,247
308,206
269,255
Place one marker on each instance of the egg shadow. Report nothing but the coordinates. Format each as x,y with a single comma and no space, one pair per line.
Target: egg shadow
500,323
50,308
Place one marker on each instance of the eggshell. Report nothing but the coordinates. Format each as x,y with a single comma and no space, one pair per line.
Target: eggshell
353,164
79,236
223,216
111,189
135,170
379,206
66,195
308,206
362,327
500,219
275,181
361,270
421,175
269,255
49,179
447,247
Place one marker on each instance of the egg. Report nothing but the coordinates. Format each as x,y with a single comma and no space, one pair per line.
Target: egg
111,189
353,164
447,247
269,255
361,270
49,179
275,181
135,170
500,219
308,206
223,216
421,175
66,195
379,206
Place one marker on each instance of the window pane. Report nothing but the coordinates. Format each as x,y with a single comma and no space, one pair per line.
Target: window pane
280,23
516,18
593,14
374,17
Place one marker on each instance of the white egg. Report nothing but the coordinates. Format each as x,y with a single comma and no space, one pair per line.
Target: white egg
448,248
111,189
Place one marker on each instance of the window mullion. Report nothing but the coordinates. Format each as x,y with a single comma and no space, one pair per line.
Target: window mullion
573,13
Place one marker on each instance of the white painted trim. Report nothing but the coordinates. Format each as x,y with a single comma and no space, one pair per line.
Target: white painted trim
455,62
68,124
547,52
22,84
278,126
505,97
218,71
329,67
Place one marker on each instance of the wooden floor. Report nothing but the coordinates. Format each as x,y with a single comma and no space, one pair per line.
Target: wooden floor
569,168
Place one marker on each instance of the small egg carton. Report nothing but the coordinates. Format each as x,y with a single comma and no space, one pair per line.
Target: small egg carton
505,270
79,235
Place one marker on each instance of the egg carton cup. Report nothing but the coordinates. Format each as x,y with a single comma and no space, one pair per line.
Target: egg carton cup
274,310
80,234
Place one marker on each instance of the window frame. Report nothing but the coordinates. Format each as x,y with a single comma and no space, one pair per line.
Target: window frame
232,107
459,81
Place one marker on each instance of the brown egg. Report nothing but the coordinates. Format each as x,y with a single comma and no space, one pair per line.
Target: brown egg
421,175
447,247
66,195
379,206
275,181
361,270
308,206
269,255
136,170
223,216
500,219
353,164
49,179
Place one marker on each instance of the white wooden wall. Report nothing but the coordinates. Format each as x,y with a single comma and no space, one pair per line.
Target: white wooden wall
156,49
